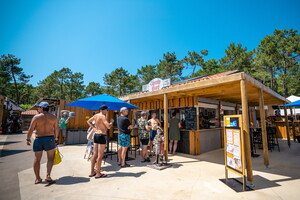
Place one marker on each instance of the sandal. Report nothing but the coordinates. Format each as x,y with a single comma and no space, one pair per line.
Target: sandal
49,182
38,181
101,176
92,175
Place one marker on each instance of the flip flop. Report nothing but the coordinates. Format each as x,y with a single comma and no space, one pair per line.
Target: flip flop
38,181
49,182
92,175
101,176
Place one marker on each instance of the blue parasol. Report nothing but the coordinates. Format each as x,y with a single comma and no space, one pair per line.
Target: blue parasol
94,103
293,104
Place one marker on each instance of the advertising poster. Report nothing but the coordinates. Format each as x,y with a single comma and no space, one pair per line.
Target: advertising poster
229,137
233,149
236,137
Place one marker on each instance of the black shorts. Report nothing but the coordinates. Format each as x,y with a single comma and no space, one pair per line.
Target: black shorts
100,139
144,141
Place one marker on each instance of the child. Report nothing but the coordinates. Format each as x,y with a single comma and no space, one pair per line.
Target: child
158,142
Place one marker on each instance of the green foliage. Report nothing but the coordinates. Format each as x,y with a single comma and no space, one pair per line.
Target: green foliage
170,67
278,55
237,58
93,89
119,82
26,106
147,73
62,84
11,73
195,59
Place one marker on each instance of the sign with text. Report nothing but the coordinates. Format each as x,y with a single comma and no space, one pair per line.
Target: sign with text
234,146
156,84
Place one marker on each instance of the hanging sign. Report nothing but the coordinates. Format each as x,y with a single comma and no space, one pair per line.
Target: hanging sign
156,84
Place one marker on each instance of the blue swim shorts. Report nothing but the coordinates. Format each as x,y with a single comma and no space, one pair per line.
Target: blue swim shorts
45,143
153,133
124,140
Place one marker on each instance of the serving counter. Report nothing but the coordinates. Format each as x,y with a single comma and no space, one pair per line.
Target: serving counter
195,142
281,128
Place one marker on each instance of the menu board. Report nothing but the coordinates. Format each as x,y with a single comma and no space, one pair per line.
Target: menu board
190,118
234,146
233,149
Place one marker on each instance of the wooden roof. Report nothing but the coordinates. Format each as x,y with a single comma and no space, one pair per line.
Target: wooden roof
51,101
29,112
224,87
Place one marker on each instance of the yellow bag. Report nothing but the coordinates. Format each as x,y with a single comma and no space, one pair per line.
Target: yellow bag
57,157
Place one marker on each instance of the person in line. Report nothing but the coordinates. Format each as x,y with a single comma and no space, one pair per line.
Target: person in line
46,133
63,123
100,127
125,128
143,135
154,123
174,133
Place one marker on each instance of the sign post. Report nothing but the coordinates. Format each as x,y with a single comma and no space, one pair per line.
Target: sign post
234,147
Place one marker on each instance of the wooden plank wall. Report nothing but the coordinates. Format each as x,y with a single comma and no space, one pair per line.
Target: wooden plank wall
174,102
81,115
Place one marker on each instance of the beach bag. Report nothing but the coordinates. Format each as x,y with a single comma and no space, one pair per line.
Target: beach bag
90,135
57,157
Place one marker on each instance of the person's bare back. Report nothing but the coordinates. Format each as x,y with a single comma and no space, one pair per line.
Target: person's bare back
101,123
45,124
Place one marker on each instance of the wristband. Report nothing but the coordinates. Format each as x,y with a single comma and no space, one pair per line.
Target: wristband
28,140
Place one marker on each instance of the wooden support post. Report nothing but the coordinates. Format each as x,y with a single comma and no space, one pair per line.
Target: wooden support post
166,123
246,132
263,127
293,124
287,125
197,112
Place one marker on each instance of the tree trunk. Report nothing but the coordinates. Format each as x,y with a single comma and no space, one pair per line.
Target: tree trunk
272,78
61,90
285,87
16,86
194,68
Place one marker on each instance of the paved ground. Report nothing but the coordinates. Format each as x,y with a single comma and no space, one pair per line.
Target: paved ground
190,177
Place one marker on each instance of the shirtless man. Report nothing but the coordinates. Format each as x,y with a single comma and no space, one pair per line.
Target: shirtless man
100,127
153,122
46,127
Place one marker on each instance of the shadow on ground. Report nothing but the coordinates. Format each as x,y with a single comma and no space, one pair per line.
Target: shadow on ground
7,143
6,152
70,180
122,174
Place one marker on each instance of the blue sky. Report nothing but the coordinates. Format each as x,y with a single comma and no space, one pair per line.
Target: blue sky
95,36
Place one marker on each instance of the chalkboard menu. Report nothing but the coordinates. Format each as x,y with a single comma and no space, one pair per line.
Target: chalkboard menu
190,119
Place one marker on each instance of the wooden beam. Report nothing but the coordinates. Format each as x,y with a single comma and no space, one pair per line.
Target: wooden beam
245,130
197,112
293,124
186,87
166,123
287,126
264,88
263,127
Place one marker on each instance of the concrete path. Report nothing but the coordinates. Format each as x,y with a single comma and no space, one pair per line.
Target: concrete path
190,177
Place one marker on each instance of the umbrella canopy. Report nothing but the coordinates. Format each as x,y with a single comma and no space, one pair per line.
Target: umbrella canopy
293,104
94,103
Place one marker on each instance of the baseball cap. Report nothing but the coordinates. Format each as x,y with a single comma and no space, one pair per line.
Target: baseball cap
103,107
43,104
123,108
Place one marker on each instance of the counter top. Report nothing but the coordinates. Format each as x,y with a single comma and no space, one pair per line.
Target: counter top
202,129
297,121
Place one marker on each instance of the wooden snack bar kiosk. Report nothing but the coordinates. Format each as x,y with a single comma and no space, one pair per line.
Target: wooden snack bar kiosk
201,103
